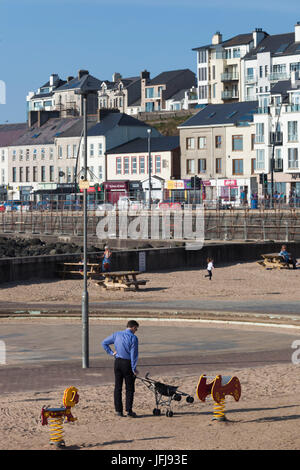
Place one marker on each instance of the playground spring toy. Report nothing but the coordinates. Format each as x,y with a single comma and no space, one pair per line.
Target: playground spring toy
56,416
218,388
164,394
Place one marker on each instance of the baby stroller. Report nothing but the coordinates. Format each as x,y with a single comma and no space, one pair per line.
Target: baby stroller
164,394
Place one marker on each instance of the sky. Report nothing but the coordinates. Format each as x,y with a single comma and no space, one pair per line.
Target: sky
41,37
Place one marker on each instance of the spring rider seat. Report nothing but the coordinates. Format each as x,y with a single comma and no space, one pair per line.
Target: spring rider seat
218,388
57,416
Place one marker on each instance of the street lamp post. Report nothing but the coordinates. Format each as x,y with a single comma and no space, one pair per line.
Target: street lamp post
149,166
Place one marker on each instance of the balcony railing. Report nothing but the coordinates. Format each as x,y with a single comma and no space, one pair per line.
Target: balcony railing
228,77
292,108
263,110
276,138
275,76
250,79
229,95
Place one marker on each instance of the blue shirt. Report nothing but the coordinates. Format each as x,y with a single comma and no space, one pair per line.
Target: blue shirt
126,346
285,254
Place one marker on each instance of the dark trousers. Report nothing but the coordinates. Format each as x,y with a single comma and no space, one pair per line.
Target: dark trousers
123,372
209,274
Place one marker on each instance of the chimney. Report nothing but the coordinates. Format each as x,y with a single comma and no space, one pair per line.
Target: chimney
258,36
43,116
81,73
116,76
297,32
53,79
32,118
217,38
145,75
69,79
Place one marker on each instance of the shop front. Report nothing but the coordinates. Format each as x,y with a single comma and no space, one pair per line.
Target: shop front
157,188
235,192
3,192
136,190
113,190
25,193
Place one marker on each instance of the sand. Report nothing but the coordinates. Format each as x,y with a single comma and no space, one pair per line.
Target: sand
267,416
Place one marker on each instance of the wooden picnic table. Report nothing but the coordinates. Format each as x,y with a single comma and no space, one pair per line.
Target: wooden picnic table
274,261
93,269
123,280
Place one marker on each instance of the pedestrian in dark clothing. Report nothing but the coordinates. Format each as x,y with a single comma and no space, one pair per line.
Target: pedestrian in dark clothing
126,357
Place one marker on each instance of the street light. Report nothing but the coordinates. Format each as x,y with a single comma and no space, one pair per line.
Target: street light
149,166
86,89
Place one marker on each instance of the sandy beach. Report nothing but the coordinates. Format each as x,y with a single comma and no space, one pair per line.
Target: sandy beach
266,417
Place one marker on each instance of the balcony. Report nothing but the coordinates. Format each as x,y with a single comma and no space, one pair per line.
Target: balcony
276,76
250,79
276,138
228,77
230,95
263,110
292,108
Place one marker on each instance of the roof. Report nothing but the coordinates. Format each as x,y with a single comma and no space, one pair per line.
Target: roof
238,40
166,77
108,122
157,144
220,114
46,133
277,45
78,83
9,133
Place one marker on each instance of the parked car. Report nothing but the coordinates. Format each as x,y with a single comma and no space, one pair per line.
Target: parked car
42,206
126,202
2,207
106,206
72,206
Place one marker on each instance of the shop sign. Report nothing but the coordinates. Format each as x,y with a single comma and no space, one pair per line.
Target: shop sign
175,184
115,186
230,183
46,186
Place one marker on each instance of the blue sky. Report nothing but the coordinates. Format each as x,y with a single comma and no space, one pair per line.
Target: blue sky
40,37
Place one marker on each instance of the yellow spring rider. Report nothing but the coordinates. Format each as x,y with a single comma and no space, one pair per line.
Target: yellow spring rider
56,416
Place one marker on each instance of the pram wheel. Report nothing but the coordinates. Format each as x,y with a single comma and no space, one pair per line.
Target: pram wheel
177,397
169,413
156,412
190,399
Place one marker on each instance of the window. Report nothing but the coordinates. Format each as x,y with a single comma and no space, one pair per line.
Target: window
34,175
260,159
43,173
236,53
203,92
20,155
91,150
134,165
43,154
126,165
260,130
292,158
202,74
190,143
68,151
252,141
158,164
3,155
149,92
100,150
27,154
14,155
218,140
27,174
51,153
237,167
100,173
14,174
59,151
202,56
74,150
118,166
237,142
292,131
278,163
218,165
201,165
142,165
91,173
21,174
51,173
190,167
201,142
253,165
261,71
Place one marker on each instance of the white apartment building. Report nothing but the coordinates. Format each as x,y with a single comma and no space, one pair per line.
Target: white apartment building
273,59
277,138
219,67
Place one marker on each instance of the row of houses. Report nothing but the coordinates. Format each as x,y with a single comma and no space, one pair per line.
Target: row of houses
238,143
242,68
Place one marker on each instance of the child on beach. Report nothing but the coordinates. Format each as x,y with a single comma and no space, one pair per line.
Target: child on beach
210,267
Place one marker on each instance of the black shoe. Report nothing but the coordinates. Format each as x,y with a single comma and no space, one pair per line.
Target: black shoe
119,413
131,414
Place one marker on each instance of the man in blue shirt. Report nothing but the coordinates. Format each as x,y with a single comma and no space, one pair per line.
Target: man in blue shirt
288,258
126,357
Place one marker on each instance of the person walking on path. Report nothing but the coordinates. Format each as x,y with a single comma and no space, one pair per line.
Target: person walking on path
126,356
106,262
210,267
